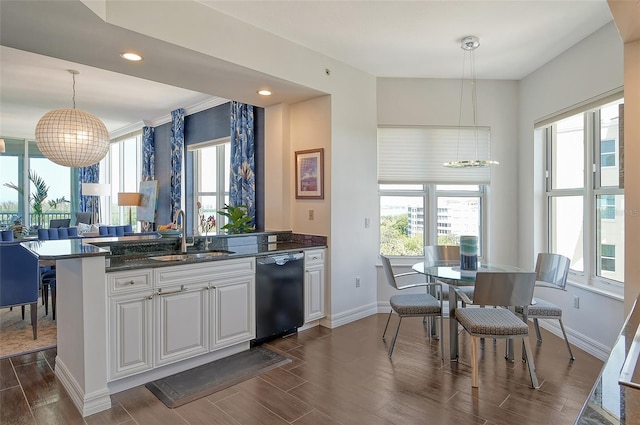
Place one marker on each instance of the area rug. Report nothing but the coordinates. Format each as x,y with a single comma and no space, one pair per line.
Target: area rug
192,384
16,335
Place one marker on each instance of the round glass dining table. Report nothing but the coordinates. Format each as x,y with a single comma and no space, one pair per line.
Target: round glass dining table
451,274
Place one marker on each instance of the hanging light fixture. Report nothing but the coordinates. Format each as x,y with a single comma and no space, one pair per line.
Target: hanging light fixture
72,137
470,44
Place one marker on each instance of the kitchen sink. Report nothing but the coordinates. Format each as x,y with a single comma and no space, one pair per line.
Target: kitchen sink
190,256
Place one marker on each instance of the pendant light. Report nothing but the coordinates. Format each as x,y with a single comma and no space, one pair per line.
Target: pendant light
72,137
470,44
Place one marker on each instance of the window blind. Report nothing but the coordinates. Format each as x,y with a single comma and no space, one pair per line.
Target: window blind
417,154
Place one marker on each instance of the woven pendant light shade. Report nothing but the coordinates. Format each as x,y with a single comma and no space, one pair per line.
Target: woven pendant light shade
72,138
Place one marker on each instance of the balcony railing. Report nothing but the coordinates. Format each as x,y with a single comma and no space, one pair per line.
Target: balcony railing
5,218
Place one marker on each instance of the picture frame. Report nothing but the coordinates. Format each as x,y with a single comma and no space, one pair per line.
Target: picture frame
149,201
310,174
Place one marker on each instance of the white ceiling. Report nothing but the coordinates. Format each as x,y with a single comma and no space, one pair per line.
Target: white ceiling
413,39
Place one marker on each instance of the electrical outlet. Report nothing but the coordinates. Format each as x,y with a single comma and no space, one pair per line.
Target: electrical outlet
357,282
310,214
576,302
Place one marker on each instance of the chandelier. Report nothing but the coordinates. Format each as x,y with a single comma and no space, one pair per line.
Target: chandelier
470,44
72,137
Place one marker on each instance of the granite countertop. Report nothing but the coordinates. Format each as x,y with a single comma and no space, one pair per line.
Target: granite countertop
63,249
132,262
134,252
610,402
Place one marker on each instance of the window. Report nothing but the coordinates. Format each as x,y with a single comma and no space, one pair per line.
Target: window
20,157
412,216
124,165
608,258
211,162
585,203
608,153
421,201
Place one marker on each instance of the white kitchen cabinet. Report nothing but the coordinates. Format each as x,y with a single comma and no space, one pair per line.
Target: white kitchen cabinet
182,322
130,324
314,285
232,310
163,315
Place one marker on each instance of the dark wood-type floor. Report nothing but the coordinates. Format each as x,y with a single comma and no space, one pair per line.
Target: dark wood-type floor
339,376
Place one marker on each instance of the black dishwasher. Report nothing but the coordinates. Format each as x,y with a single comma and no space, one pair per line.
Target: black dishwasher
279,295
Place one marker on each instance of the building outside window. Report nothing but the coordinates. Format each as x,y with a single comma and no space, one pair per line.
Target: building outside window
412,216
585,201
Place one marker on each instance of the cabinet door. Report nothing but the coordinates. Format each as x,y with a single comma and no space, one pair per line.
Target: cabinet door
182,322
233,311
314,293
130,334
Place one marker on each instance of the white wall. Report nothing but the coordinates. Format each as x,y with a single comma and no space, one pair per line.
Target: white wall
632,173
587,70
277,214
311,129
404,101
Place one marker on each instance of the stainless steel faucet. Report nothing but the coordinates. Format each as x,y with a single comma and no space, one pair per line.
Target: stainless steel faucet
183,241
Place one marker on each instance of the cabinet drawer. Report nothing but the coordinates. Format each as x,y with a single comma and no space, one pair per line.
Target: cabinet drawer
188,273
129,281
315,256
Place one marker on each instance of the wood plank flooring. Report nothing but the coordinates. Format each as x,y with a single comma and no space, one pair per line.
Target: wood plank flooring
339,376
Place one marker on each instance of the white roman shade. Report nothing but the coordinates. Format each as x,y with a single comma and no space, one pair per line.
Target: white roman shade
417,154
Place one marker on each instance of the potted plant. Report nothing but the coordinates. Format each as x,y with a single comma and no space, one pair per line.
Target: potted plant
238,219
38,197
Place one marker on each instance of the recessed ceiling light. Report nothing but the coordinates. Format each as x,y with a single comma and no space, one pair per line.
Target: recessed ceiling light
130,56
264,92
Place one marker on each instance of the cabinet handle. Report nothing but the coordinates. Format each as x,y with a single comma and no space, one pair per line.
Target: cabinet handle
182,289
150,297
131,282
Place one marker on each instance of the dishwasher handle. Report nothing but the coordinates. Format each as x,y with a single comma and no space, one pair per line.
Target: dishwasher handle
279,259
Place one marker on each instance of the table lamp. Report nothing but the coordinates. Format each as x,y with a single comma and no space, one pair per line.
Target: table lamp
129,199
95,190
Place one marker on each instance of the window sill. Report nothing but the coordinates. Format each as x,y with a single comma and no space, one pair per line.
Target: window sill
600,290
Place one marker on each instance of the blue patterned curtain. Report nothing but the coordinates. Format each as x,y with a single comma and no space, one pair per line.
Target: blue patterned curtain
90,174
148,154
242,190
148,171
177,146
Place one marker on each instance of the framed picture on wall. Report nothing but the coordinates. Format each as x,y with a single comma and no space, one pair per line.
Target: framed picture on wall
310,174
149,201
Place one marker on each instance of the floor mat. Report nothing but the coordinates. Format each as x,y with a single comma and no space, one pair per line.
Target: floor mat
192,384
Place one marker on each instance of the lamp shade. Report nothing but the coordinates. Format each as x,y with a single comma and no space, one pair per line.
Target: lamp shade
72,138
96,189
130,199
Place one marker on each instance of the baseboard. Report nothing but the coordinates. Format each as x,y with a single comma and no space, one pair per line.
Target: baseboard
577,339
86,403
336,320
